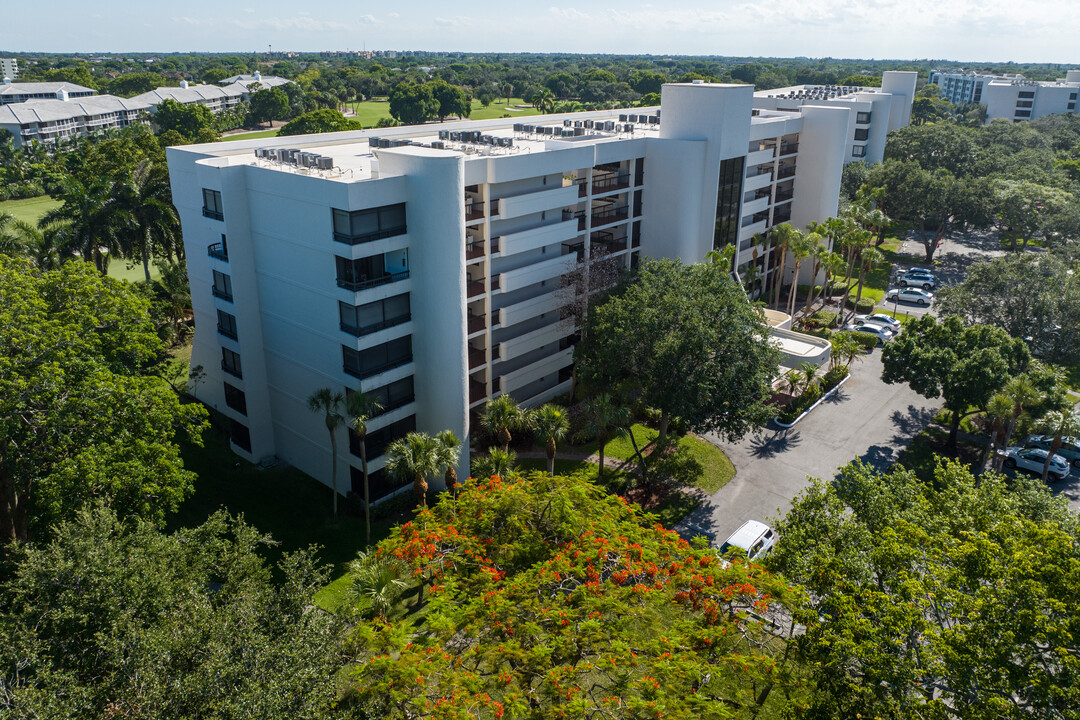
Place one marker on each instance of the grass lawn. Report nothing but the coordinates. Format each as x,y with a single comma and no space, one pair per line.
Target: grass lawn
900,315
369,112
29,210
131,271
255,135
499,108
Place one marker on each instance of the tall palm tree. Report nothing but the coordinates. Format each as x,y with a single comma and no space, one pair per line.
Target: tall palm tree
92,220
359,408
414,457
502,416
781,237
1058,425
1022,392
552,424
998,412
328,402
801,247
449,454
868,258
819,252
147,214
808,372
605,418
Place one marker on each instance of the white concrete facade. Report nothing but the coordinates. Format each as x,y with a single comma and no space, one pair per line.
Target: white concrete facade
46,121
9,68
1010,96
215,99
437,270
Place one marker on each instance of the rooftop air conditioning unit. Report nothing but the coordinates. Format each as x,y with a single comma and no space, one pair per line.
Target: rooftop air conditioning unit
588,124
444,134
566,123
323,162
622,118
632,118
438,145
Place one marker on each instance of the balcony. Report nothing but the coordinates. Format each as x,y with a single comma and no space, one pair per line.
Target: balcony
218,251
226,332
788,148
394,404
786,172
377,369
234,371
474,210
607,183
478,358
475,249
610,215
212,214
607,242
579,214
477,391
226,296
375,327
784,196
477,322
474,288
385,279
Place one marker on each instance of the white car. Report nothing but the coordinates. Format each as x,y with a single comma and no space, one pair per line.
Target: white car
754,538
888,321
1033,459
918,278
883,333
910,295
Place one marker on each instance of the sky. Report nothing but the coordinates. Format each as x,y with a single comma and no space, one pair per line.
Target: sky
963,30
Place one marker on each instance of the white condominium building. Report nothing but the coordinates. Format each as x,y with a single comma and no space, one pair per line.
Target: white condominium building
1010,96
13,92
874,112
247,84
214,98
46,120
9,68
436,266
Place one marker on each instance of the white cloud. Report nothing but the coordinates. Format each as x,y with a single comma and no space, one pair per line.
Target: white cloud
456,21
299,22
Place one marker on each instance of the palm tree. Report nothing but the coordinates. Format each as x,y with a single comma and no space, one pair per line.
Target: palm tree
91,218
722,257
552,424
801,247
1058,425
375,583
328,402
808,372
359,408
501,416
544,100
781,237
1023,393
998,412
507,89
868,258
792,381
496,462
604,419
415,457
449,454
147,213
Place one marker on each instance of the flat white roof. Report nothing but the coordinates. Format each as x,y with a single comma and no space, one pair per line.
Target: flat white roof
38,111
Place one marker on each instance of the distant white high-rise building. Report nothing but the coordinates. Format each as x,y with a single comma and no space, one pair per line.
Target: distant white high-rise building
1010,96
9,68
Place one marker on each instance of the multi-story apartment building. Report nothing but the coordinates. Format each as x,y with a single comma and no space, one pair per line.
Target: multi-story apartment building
874,112
9,68
46,120
1010,96
214,98
13,92
247,84
437,266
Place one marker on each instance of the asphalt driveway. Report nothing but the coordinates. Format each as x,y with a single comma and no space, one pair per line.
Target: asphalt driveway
866,419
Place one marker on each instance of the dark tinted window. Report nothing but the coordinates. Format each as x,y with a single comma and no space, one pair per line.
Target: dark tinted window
371,224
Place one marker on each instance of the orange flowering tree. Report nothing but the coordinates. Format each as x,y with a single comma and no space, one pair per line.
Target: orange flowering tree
550,598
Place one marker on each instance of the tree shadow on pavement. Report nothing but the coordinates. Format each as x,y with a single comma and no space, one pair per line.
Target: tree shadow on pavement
779,442
880,457
911,423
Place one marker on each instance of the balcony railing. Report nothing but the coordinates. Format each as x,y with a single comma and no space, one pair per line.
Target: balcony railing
474,210
789,148
227,332
571,214
235,372
610,215
477,391
212,214
227,296
385,279
394,404
217,250
474,249
371,236
474,288
786,172
608,183
375,327
784,196
376,369
477,323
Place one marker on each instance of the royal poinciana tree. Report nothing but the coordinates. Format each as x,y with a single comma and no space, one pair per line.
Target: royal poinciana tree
952,600
550,598
682,339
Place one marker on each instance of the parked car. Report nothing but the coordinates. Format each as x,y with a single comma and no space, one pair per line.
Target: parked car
1070,447
910,295
919,278
1033,459
883,333
890,323
754,538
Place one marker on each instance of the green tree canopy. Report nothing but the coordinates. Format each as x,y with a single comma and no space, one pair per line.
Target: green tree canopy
270,104
80,418
951,600
194,122
552,598
319,121
962,364
452,100
413,103
684,340
114,619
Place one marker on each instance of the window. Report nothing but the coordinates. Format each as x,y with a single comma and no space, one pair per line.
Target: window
1027,94
240,435
391,397
639,171
378,440
861,134
637,203
1024,103
862,118
1023,113
728,194
222,286
226,324
235,398
211,201
858,151
230,362
372,271
371,317
1072,96
361,226
374,360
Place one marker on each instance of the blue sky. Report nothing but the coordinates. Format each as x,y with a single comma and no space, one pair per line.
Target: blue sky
975,30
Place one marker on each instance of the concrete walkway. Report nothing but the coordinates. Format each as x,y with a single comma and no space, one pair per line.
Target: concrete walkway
866,419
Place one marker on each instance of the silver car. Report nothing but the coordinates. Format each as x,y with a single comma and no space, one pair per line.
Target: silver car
883,334
910,295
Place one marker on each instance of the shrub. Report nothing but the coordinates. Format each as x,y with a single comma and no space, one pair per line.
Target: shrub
864,305
801,403
833,377
868,341
823,319
819,332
